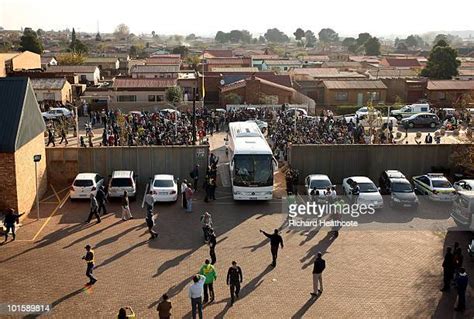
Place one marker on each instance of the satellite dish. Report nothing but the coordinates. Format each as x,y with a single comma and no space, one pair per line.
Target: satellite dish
222,82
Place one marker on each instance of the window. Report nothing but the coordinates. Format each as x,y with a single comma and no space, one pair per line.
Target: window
376,96
126,98
441,95
151,98
159,98
341,96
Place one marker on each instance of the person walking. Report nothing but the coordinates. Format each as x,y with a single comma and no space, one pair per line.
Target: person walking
448,269
461,283
212,246
50,137
195,294
189,198
195,177
319,266
63,137
101,197
89,258
234,279
150,217
10,219
210,273
164,308
126,207
93,211
275,241
206,225
184,185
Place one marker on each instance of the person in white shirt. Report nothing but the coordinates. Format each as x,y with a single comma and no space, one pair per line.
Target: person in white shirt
195,294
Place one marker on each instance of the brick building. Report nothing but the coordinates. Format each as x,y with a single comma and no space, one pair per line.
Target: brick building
352,92
449,93
21,137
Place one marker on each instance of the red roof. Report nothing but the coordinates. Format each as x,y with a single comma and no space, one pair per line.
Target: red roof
144,83
163,60
282,79
403,63
219,53
236,61
450,85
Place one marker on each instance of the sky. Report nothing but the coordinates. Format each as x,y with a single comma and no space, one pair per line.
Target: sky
206,17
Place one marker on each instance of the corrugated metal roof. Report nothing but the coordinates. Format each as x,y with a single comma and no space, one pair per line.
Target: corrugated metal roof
354,85
242,69
402,62
92,60
163,60
235,61
71,68
21,119
144,83
48,84
393,73
167,68
283,62
450,85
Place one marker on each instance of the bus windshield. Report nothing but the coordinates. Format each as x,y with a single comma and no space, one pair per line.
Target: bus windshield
253,170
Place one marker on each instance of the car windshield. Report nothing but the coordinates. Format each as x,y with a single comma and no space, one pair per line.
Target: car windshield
253,170
83,183
320,183
402,188
163,183
441,184
405,109
367,187
121,182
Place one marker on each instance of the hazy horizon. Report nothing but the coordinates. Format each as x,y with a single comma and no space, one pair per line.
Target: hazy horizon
348,18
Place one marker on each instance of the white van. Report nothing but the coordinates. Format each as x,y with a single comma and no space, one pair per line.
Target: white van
121,181
463,210
409,110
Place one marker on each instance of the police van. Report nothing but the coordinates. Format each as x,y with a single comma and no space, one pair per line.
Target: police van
435,186
463,210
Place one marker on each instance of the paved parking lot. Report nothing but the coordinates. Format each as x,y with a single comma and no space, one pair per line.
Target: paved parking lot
389,272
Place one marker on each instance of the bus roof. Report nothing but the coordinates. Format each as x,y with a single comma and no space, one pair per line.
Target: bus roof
246,138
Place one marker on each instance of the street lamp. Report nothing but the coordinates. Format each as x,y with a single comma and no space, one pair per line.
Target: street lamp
36,159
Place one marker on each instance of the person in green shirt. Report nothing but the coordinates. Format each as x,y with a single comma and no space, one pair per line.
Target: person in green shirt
210,273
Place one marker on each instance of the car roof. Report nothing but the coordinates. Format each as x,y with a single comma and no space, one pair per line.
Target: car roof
86,175
163,177
393,173
399,180
361,179
120,174
318,176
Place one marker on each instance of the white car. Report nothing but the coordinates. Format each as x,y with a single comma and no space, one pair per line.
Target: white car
86,184
365,111
378,122
464,185
164,188
435,186
263,126
299,111
56,113
319,182
122,181
368,192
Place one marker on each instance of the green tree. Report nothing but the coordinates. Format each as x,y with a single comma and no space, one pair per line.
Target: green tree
299,34
232,98
174,94
191,37
182,50
193,61
98,37
440,37
310,39
442,62
221,37
275,35
122,31
363,38
71,58
261,39
347,42
372,46
414,41
136,50
235,36
30,42
328,35
401,46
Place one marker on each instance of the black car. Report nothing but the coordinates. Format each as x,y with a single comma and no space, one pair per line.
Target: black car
421,120
401,192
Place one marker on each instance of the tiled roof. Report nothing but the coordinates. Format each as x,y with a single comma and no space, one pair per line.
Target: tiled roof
71,68
162,68
144,83
48,83
450,85
354,85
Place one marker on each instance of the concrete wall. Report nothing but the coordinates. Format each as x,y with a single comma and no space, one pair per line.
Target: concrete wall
341,161
64,95
352,96
26,60
65,163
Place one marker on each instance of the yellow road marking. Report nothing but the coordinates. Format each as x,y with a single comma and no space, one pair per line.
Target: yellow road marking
57,196
61,202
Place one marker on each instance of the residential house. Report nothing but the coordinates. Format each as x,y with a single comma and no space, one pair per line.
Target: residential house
21,138
164,59
47,61
168,71
257,60
449,93
123,58
19,61
401,62
465,74
313,61
51,90
210,63
217,53
132,94
403,85
343,65
108,66
352,92
89,75
281,65
188,80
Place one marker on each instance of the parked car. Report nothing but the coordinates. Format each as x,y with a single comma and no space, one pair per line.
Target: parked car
368,192
56,113
164,188
409,110
263,126
377,122
464,185
319,181
299,111
363,111
435,186
463,211
86,184
395,184
121,181
421,120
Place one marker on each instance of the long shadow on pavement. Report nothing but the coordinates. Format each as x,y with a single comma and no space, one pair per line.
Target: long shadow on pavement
300,313
322,246
100,230
120,254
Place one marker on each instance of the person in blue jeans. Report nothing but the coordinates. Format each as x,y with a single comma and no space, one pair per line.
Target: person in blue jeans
461,283
195,294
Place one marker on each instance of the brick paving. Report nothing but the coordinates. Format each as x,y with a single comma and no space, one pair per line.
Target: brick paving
374,274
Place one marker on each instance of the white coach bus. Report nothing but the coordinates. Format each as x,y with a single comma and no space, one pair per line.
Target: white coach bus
252,164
